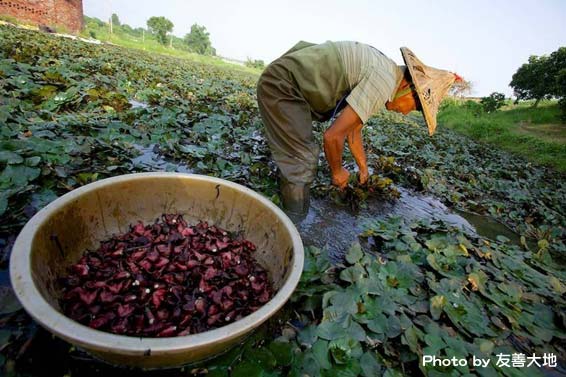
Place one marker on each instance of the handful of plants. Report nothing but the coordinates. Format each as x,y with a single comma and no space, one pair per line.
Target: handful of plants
165,279
355,194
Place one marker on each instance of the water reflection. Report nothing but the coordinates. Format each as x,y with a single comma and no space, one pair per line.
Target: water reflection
151,160
335,228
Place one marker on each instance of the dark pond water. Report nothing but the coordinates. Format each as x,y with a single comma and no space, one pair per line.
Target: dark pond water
335,228
151,160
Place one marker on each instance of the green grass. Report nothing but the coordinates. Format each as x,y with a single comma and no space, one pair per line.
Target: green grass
150,44
537,134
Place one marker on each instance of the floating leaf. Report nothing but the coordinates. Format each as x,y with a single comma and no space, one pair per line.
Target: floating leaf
321,354
354,254
9,157
436,305
247,369
282,352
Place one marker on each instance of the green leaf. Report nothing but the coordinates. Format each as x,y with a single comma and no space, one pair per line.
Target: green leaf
263,356
392,327
356,331
345,301
344,349
20,175
436,305
435,344
247,369
33,161
349,369
9,157
321,354
378,324
486,346
330,330
282,351
308,335
193,150
353,273
3,203
369,364
354,254
411,339
555,283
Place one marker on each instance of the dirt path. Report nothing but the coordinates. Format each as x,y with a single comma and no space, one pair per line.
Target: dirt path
549,132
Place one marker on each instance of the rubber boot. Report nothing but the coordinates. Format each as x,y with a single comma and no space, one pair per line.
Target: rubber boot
296,199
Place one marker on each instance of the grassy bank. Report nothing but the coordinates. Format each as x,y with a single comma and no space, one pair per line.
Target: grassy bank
148,42
535,133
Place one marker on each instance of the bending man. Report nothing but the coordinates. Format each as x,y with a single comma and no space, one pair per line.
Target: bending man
313,82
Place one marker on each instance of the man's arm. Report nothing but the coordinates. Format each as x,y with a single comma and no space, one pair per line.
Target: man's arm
357,148
346,123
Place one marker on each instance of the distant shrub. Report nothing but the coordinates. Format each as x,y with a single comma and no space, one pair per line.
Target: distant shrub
474,107
449,102
259,64
92,34
493,102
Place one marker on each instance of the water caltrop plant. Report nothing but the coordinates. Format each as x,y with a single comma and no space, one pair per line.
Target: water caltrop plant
73,113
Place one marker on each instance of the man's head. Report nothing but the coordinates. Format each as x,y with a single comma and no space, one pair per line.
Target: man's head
406,98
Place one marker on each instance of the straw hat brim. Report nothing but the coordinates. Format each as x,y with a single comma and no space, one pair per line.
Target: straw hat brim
431,85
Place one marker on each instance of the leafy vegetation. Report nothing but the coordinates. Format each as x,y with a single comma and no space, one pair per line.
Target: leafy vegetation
73,113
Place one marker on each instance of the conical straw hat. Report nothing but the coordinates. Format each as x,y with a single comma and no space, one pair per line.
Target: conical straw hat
431,85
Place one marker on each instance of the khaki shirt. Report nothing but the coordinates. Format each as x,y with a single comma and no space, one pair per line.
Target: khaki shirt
327,72
373,78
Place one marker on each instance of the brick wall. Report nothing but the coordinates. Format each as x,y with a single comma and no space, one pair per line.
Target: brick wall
67,13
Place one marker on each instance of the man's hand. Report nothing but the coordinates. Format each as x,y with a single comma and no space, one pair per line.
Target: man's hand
347,123
340,178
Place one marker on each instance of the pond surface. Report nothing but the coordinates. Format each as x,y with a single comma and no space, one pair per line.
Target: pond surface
151,160
334,228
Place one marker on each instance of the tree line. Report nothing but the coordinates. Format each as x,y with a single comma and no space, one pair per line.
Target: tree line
197,40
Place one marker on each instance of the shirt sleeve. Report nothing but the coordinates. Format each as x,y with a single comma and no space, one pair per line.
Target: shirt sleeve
369,95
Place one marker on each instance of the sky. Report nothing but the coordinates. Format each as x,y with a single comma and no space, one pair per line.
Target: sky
485,41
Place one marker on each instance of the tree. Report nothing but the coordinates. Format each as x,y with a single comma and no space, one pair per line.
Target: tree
460,88
160,26
543,77
198,40
115,20
532,80
557,68
493,102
